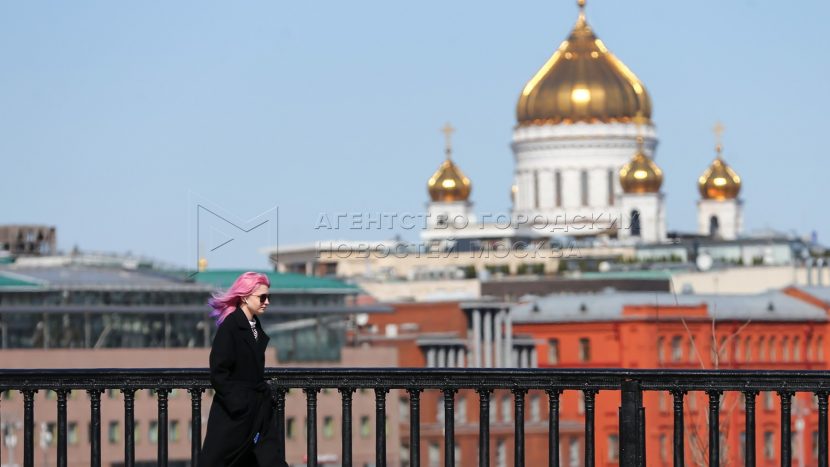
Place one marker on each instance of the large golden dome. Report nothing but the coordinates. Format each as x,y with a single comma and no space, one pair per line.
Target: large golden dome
641,174
582,82
719,181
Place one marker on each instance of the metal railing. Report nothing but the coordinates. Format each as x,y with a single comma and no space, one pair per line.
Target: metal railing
631,383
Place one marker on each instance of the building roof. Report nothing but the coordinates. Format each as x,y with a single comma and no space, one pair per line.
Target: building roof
766,306
90,277
280,281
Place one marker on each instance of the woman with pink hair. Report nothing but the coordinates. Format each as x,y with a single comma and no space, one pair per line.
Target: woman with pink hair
242,429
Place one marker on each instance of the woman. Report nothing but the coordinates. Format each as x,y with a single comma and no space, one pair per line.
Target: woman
242,427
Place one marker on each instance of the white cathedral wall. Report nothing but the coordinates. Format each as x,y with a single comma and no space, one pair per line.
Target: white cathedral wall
570,150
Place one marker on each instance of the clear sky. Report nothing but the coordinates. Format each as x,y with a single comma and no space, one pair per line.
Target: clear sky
116,116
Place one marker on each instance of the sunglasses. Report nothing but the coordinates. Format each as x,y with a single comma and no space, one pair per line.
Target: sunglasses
262,298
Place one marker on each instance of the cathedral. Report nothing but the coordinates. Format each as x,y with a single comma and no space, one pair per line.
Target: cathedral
584,146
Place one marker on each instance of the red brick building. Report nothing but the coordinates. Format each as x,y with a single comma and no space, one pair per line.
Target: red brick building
774,330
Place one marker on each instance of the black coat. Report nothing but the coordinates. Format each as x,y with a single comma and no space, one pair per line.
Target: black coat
242,405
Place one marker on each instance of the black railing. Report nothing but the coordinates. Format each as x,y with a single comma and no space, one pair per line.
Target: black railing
631,383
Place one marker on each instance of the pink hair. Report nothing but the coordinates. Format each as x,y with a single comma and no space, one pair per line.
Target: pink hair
224,304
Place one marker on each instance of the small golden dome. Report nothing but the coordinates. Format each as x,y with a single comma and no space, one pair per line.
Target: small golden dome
719,181
641,174
448,183
513,190
582,82
203,264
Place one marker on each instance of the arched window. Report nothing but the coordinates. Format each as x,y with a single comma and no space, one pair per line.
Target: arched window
723,349
692,351
583,177
762,349
820,349
785,349
773,355
714,226
676,350
796,349
661,355
635,223
747,350
808,345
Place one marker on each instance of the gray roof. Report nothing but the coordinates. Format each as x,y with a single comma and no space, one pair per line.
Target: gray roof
766,306
821,293
99,278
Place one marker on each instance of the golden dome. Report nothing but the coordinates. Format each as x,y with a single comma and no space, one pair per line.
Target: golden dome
641,174
719,181
449,183
582,82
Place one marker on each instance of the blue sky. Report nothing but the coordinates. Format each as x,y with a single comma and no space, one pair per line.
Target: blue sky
115,116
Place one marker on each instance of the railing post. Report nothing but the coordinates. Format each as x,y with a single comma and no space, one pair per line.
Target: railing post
553,427
822,428
129,426
449,426
749,442
279,407
61,426
195,425
590,457
380,426
483,427
630,429
162,394
95,427
679,449
346,433
714,432
786,433
311,426
414,427
28,427
519,423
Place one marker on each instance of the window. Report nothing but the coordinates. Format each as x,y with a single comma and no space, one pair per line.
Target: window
501,453
614,448
580,407
573,453
153,435
457,453
112,393
747,350
692,350
535,408
808,347
557,180
796,349
742,447
662,401
785,349
635,223
72,433
815,444
328,427
583,178
535,189
434,454
173,433
439,410
553,351
584,349
506,409
664,447
114,432
661,356
676,349
611,178
403,408
769,445
137,432
762,350
365,429
290,427
820,349
461,410
768,400
773,355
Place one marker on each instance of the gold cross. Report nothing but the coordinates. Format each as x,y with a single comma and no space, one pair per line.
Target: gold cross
718,129
448,130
